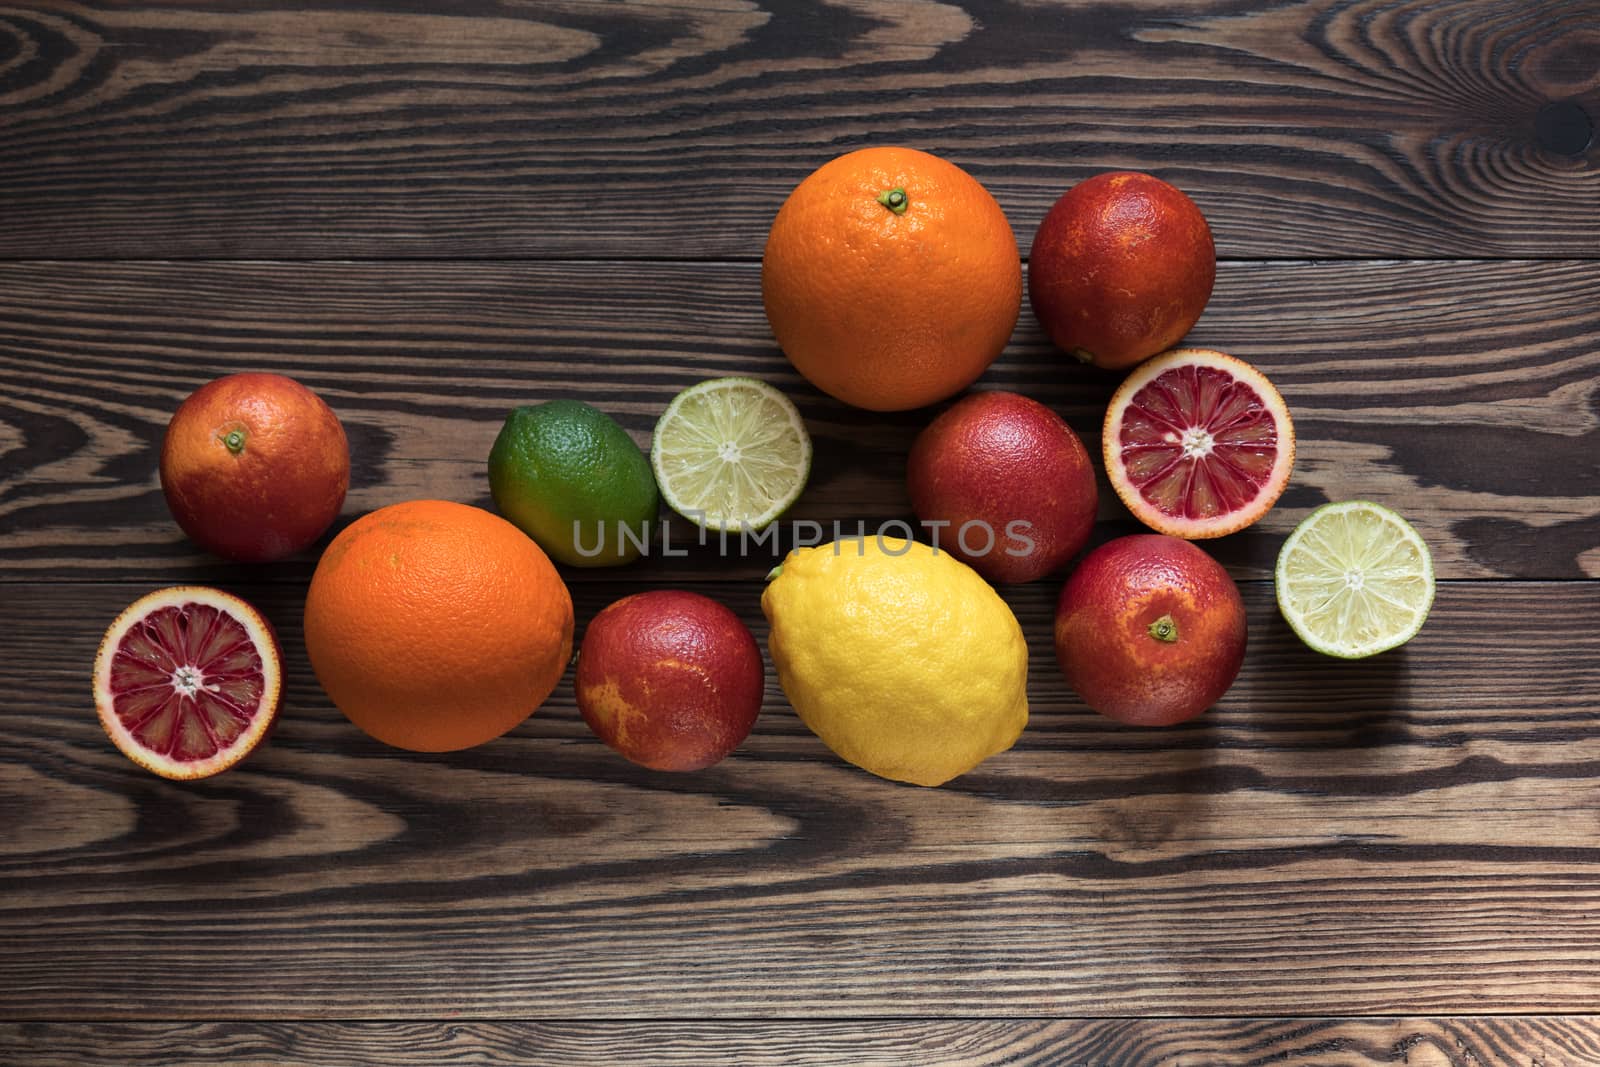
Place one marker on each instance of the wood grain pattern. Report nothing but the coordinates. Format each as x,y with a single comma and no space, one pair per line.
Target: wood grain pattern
1525,1041
581,128
1464,394
430,213
1414,833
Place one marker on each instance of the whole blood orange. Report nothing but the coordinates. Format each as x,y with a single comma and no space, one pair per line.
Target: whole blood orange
1121,268
1150,630
188,680
1197,443
254,466
891,278
1005,484
436,626
670,679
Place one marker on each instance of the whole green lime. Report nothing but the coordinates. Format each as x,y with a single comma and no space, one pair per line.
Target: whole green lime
574,481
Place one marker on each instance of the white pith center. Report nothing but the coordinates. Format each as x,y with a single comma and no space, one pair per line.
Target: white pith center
729,452
189,680
1196,442
1354,579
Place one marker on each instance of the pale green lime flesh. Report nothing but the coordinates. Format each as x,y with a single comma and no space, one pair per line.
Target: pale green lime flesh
1354,579
731,454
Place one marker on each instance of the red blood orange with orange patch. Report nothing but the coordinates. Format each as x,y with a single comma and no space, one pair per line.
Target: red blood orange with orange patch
254,466
670,679
1121,268
1150,630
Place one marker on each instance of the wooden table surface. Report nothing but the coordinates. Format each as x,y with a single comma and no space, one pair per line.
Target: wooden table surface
430,213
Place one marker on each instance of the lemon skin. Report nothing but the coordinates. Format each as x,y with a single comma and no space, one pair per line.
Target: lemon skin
899,657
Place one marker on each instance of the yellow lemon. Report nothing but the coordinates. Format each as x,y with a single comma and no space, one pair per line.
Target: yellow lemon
901,658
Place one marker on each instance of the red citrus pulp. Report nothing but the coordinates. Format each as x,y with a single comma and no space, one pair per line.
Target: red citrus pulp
188,681
1197,444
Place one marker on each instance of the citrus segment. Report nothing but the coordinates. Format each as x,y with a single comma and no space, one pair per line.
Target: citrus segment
1354,579
731,454
1198,444
187,681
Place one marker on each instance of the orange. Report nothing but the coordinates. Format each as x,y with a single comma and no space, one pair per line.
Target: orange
436,626
254,466
891,278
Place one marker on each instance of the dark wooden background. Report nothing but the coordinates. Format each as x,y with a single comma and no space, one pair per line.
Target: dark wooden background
432,212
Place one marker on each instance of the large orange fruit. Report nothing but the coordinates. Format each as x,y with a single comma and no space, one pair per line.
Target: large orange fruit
1121,268
891,278
436,626
254,466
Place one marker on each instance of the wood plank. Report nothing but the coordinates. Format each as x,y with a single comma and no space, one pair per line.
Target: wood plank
1410,834
1548,1041
580,128
1463,394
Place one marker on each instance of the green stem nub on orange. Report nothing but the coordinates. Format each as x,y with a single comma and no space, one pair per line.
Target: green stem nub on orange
895,200
233,441
1164,629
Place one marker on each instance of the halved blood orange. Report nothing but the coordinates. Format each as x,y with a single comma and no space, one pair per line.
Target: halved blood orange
1197,443
187,681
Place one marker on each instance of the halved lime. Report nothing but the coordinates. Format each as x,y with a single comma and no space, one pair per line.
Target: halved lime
731,454
1354,579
